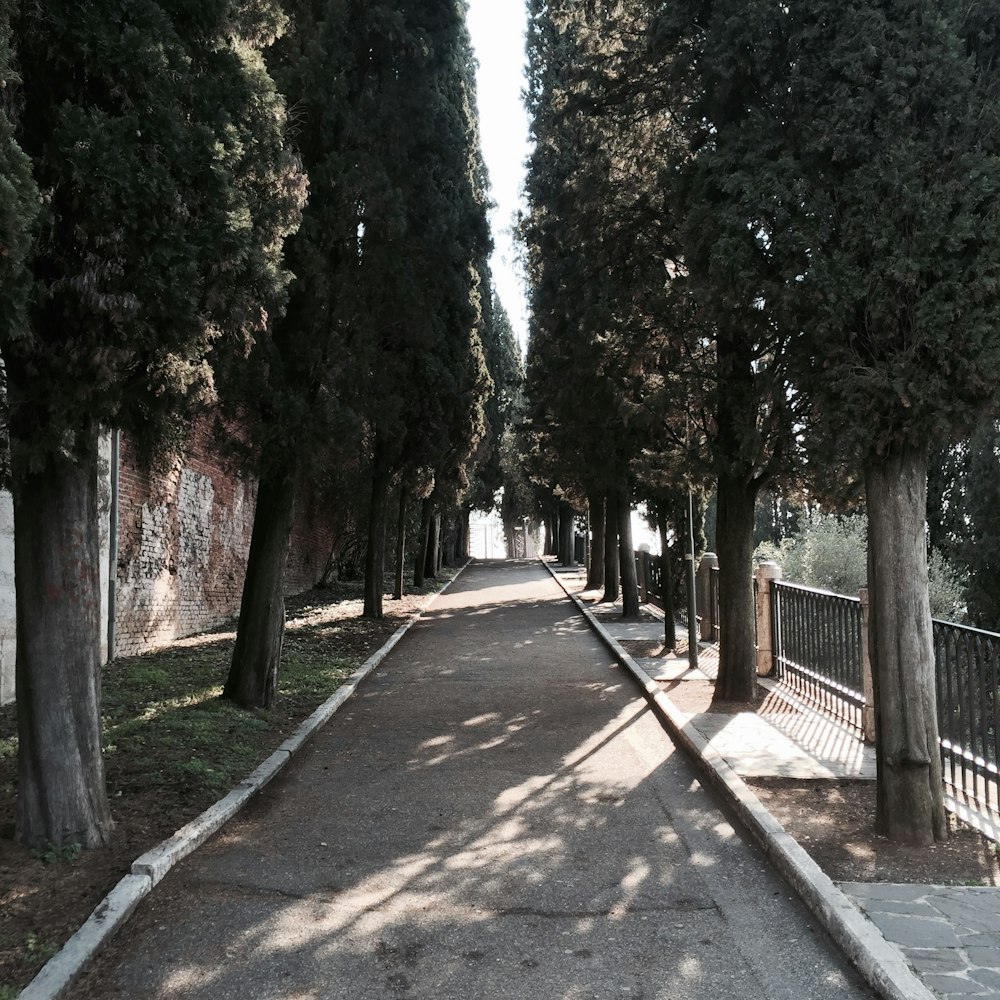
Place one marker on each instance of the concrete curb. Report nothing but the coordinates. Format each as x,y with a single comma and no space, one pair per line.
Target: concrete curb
882,965
63,968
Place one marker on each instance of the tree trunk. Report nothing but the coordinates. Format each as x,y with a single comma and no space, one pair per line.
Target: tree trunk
611,567
439,549
449,541
626,556
595,568
567,557
397,583
666,583
737,680
909,797
375,554
551,531
433,541
463,546
61,794
420,558
253,671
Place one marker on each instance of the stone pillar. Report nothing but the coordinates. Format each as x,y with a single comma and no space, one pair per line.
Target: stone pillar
709,561
765,574
868,712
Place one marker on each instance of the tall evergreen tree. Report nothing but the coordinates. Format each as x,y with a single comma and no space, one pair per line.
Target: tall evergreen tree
18,193
894,150
156,141
285,402
424,376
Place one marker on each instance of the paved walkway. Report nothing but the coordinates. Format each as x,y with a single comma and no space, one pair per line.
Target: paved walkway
497,814
950,935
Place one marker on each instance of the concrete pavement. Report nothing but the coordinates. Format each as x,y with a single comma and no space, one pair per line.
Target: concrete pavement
497,814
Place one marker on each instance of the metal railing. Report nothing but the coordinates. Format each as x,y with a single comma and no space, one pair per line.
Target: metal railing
817,640
713,598
967,667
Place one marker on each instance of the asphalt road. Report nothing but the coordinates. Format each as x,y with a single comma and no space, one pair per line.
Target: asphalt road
497,814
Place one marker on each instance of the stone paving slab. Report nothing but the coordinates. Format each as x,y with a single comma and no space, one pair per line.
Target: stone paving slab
949,934
622,630
756,747
670,669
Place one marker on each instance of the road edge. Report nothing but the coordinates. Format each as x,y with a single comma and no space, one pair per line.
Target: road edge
882,964
60,971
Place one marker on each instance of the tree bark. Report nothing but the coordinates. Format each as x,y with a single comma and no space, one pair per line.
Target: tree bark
253,672
375,553
666,583
397,583
449,540
595,568
463,547
433,543
626,556
909,797
420,557
551,531
611,567
737,680
61,794
567,557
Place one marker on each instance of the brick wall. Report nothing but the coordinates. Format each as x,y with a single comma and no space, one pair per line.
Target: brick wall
183,537
183,544
183,540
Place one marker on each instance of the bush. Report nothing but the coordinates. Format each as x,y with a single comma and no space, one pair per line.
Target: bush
829,552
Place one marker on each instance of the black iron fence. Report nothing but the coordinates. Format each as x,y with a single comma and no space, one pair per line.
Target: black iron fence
713,601
966,661
817,641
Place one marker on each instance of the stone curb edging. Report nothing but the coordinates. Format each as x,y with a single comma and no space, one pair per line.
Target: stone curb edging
63,968
881,964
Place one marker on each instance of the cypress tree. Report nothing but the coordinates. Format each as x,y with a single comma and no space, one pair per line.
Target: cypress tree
895,153
156,142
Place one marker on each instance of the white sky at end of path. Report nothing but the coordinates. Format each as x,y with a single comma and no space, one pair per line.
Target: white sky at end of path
498,29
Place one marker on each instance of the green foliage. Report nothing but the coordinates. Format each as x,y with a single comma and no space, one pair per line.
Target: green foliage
18,194
54,853
889,197
964,516
829,552
156,141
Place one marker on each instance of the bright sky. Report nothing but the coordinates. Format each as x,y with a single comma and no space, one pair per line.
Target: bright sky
497,28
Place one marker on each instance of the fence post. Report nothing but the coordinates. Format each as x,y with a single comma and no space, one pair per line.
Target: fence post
709,561
868,712
766,574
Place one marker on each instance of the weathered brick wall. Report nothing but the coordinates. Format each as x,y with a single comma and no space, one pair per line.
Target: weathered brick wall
183,538
183,543
313,536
